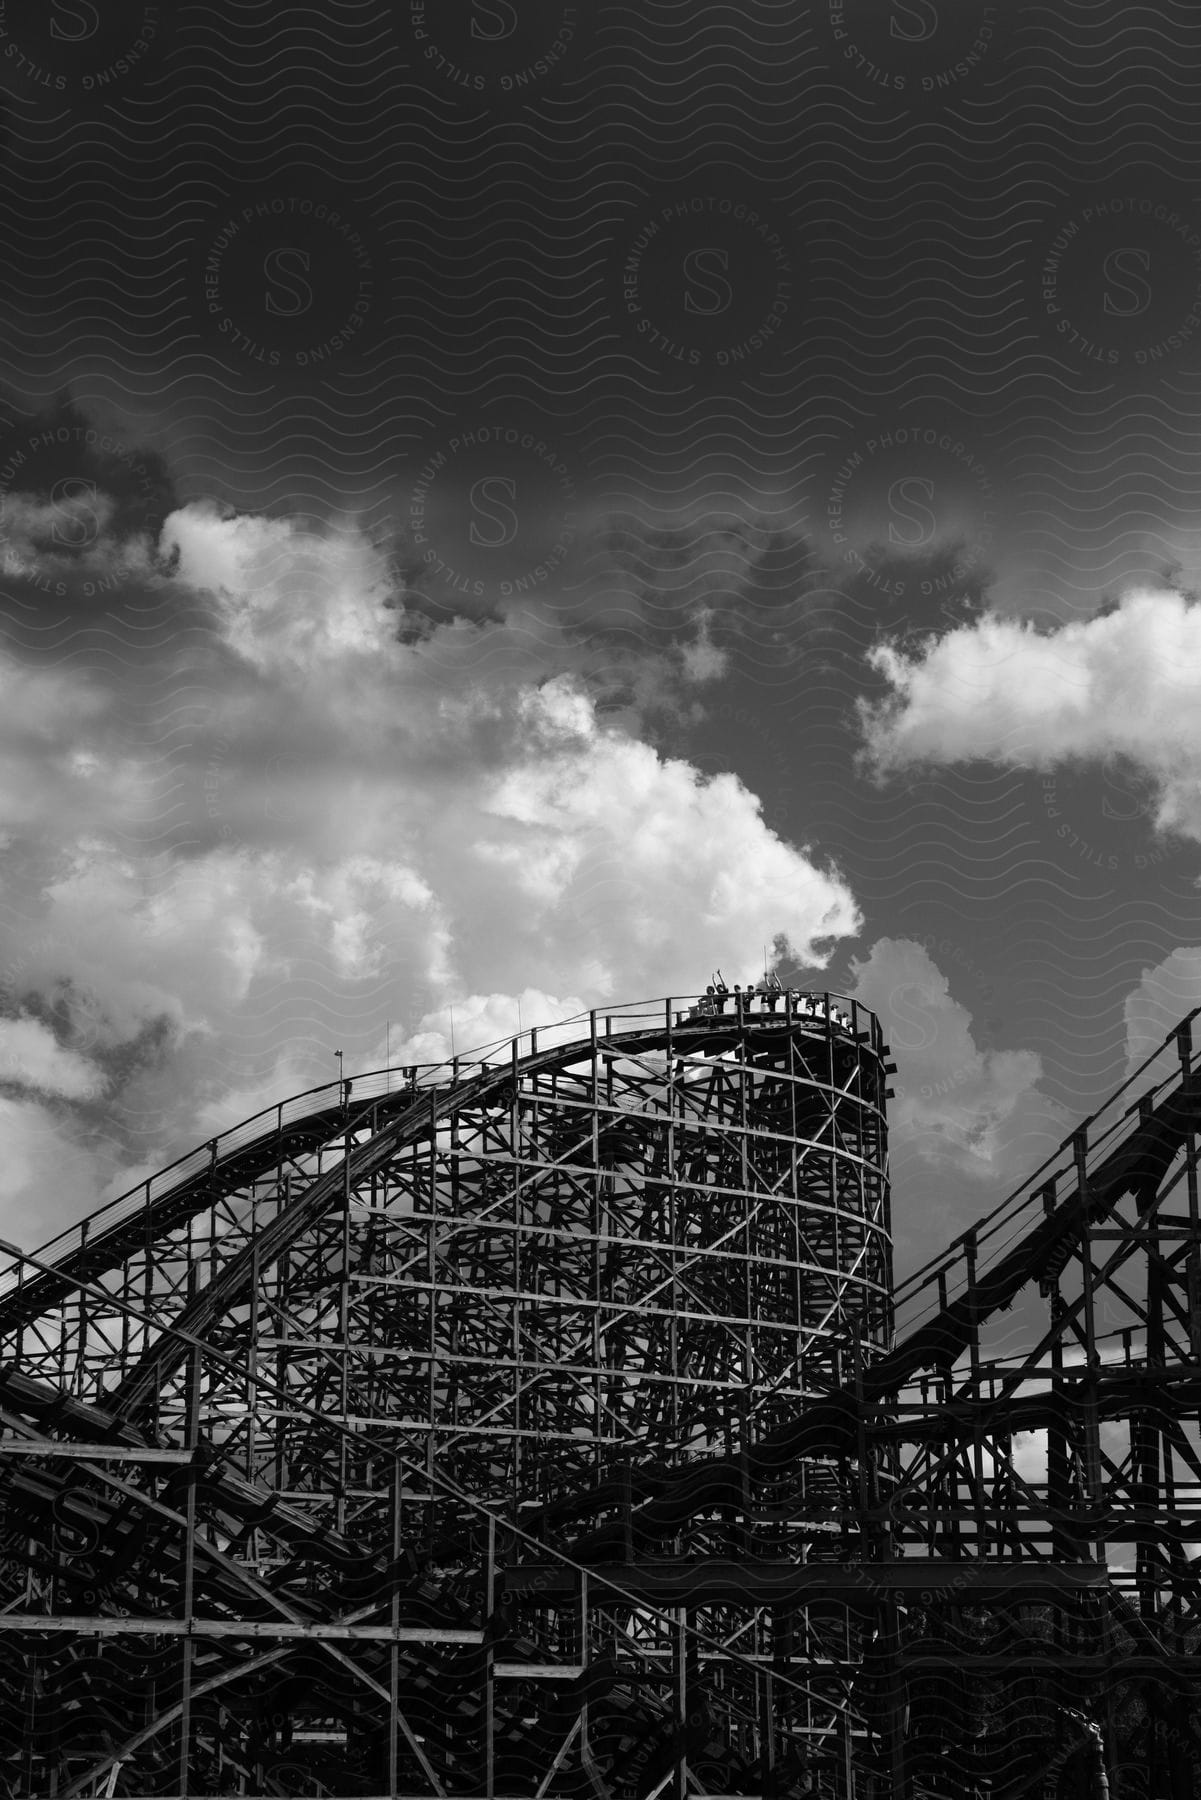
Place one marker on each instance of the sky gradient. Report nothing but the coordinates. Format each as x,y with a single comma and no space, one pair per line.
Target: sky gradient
504,507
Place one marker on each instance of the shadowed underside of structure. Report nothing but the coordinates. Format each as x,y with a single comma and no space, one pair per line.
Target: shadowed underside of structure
545,1424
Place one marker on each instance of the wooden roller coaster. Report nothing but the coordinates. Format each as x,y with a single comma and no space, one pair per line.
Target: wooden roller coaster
546,1425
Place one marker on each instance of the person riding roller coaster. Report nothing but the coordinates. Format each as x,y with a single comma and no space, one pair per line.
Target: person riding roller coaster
765,995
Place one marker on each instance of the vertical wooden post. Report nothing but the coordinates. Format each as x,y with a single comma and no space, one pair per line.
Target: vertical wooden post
489,1656
394,1658
680,1661
188,1649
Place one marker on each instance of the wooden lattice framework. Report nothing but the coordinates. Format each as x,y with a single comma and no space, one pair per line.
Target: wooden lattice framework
546,1425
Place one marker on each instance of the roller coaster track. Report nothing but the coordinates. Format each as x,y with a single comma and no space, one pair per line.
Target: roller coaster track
634,1737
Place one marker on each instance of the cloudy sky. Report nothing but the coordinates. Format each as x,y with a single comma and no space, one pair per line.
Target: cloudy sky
511,506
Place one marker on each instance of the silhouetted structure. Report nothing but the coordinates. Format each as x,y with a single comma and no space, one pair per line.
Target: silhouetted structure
537,1425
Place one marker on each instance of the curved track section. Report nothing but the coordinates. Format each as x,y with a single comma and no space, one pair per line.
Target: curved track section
537,1429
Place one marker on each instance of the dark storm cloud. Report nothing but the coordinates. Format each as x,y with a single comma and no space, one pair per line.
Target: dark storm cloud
81,509
62,457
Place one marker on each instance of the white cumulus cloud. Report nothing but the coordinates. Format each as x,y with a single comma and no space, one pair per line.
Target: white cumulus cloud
1156,1006
953,1100
47,1176
1125,683
967,1123
297,824
32,1057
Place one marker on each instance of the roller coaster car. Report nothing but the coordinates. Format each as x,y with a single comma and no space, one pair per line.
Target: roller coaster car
810,1007
703,1011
